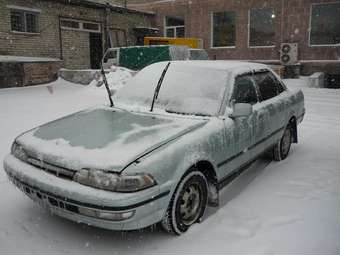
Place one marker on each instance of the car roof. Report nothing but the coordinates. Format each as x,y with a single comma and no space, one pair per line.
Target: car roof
227,65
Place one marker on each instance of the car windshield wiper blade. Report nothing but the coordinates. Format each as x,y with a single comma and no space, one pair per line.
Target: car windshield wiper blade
188,113
105,80
107,86
158,87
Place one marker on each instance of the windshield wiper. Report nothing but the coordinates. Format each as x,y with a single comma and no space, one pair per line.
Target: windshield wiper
105,80
188,113
158,87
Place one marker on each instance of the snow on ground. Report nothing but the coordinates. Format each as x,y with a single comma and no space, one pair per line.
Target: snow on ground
289,207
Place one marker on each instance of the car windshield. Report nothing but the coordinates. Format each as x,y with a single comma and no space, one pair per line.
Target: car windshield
186,89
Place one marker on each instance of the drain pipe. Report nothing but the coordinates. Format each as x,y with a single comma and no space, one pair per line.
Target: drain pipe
282,20
60,40
106,25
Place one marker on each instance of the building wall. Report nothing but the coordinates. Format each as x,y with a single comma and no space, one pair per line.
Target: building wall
21,74
40,72
69,45
76,49
292,25
28,44
129,22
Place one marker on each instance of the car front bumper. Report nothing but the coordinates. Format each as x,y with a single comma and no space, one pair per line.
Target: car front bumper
79,203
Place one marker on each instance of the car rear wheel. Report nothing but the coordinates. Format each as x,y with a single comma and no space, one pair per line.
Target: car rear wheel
187,204
282,148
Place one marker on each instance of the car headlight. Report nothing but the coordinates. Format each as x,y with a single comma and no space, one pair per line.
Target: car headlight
114,182
18,151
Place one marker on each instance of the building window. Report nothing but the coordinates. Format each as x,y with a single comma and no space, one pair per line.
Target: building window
174,27
325,24
262,27
223,29
80,25
70,24
24,21
91,26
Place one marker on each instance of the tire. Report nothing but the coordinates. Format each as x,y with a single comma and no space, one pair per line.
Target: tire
188,203
282,148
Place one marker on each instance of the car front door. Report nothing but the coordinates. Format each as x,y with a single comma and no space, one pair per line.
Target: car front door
239,131
269,114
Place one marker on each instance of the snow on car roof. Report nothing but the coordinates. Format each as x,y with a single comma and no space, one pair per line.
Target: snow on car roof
221,64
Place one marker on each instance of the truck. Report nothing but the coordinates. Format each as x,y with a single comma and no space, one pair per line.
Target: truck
138,57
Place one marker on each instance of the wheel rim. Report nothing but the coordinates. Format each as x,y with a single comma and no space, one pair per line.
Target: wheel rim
286,141
190,204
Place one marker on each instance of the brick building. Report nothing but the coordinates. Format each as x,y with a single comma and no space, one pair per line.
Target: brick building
255,29
75,31
37,37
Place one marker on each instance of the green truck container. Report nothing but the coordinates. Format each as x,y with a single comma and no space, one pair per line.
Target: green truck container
137,57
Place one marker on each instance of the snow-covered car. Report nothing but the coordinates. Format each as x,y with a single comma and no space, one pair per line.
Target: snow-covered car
178,133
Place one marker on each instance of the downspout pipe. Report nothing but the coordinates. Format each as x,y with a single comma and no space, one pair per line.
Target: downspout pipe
60,40
106,26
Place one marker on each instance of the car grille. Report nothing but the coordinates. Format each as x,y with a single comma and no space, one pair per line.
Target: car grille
53,169
43,197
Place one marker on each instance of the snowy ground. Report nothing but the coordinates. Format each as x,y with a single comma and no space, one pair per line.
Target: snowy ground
290,207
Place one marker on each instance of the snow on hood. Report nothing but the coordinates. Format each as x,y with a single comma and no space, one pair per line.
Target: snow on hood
102,138
117,77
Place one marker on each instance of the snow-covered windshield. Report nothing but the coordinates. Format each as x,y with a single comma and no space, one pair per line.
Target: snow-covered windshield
186,89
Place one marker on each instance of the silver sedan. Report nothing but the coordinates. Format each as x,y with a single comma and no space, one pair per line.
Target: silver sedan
177,134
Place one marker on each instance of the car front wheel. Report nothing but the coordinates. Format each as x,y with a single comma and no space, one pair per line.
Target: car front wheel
187,204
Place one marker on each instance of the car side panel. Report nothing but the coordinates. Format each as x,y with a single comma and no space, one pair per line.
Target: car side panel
273,116
170,162
239,137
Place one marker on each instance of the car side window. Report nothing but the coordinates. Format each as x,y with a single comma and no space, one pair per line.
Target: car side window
279,86
244,90
266,84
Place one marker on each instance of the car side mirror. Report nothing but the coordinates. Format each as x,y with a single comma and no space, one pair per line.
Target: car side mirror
241,110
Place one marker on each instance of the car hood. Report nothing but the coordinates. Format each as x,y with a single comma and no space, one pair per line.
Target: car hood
103,138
